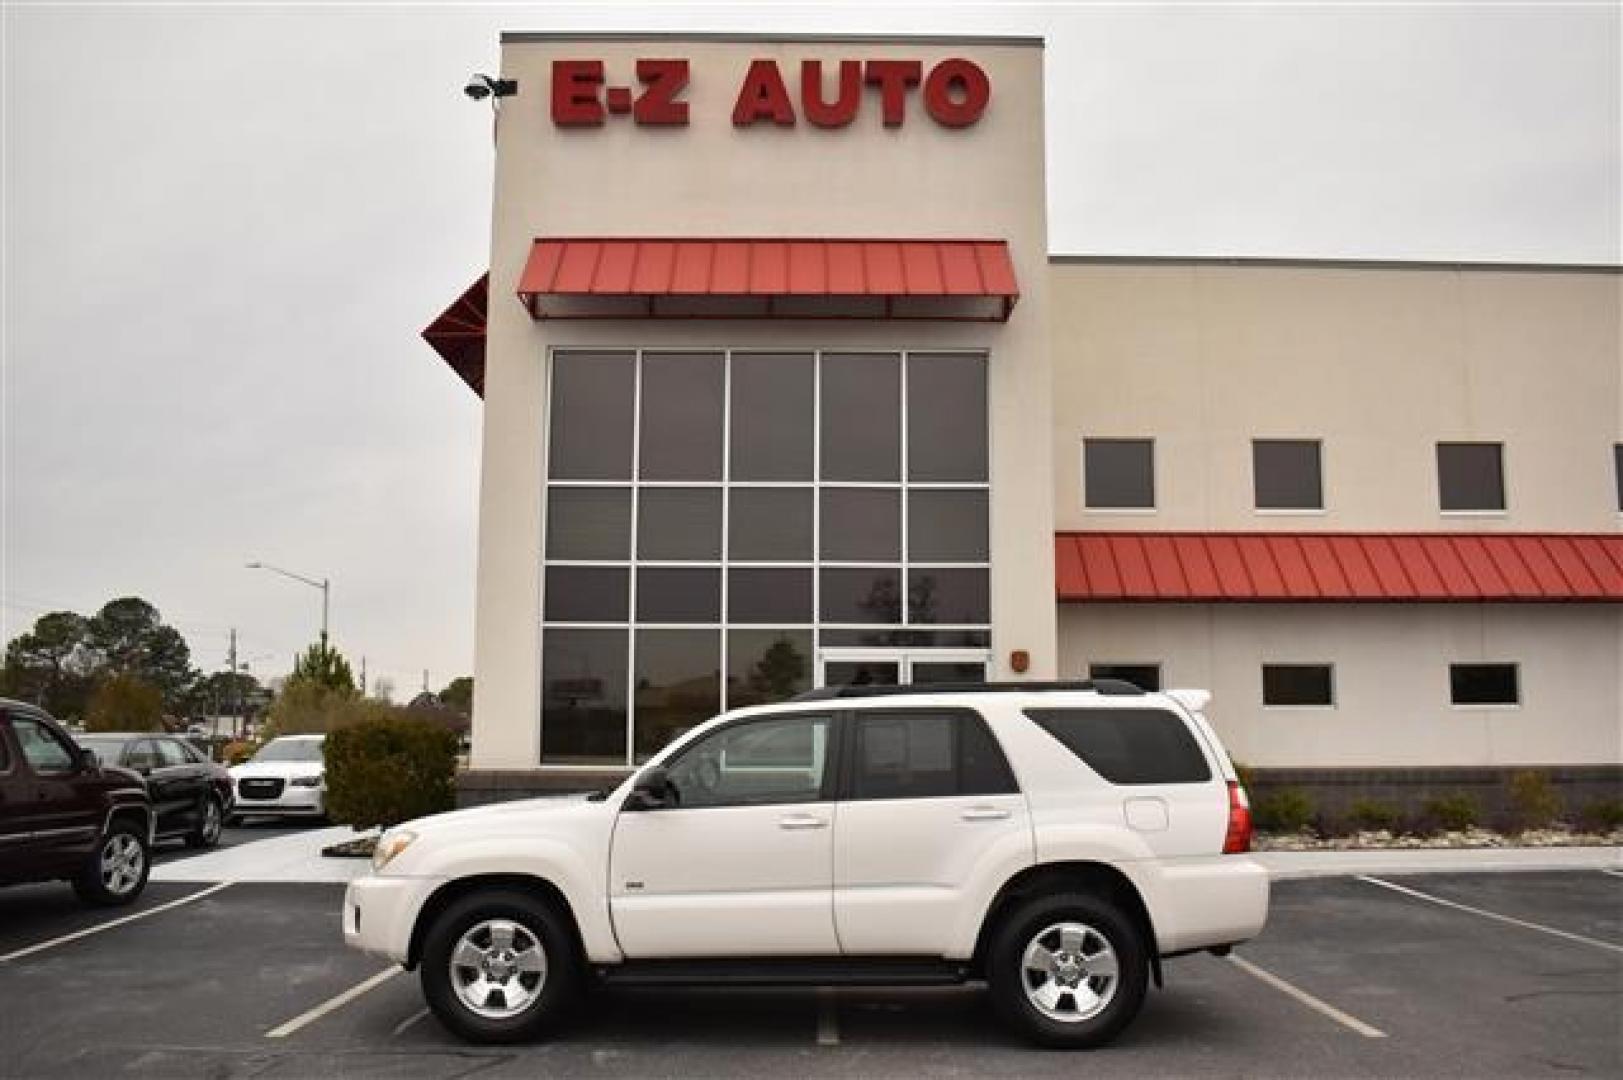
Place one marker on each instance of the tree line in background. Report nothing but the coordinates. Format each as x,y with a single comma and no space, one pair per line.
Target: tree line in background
124,669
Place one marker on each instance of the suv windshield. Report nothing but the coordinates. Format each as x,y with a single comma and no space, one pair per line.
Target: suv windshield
290,750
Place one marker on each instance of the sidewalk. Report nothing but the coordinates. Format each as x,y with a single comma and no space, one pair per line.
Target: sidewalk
298,858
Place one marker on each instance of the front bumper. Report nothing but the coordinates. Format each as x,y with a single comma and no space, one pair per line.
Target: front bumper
380,913
292,800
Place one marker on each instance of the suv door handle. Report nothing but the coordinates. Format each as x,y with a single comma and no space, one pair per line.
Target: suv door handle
983,813
801,821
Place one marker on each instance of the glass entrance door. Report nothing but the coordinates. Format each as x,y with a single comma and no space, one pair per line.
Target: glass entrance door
899,667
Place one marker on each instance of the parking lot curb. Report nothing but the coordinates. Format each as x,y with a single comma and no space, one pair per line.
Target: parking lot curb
1288,865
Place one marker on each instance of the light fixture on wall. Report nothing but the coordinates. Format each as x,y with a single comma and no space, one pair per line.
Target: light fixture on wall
481,86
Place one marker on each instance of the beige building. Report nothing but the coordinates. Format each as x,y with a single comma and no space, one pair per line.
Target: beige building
783,388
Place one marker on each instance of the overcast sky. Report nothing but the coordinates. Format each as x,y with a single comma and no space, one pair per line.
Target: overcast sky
224,229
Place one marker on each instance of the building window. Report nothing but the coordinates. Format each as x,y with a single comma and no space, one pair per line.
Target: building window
1617,471
1118,474
1143,676
1471,477
714,518
1298,685
1484,684
1287,474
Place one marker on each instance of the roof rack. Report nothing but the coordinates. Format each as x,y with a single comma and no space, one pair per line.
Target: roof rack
1107,687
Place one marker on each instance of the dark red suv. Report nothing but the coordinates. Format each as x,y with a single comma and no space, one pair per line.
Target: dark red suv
65,817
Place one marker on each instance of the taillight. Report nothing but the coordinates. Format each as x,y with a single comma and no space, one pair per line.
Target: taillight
1238,839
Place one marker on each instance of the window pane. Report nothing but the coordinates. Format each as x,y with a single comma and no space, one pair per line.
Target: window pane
1617,468
765,666
583,696
679,523
678,595
861,524
587,594
1470,476
681,416
769,596
1119,473
772,416
946,418
1287,474
591,415
678,681
170,755
588,523
769,525
1143,676
948,596
1296,684
1128,746
1483,684
861,417
904,756
862,673
861,596
907,637
757,762
947,526
982,768
43,751
949,671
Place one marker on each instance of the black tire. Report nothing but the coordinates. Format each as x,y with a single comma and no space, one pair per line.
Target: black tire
114,888
558,989
234,820
210,820
1023,926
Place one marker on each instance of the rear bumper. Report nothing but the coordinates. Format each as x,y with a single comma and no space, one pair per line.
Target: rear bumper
1199,903
380,913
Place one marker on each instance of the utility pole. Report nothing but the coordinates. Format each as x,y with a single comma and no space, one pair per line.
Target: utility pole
425,680
231,689
363,676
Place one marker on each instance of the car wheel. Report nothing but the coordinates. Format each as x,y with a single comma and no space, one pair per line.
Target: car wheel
234,820
116,871
1068,971
210,819
499,967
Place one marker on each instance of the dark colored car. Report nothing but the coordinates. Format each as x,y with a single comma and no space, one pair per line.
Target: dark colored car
190,794
64,816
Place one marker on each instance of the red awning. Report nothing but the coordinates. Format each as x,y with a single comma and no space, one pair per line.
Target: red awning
769,279
1323,567
458,335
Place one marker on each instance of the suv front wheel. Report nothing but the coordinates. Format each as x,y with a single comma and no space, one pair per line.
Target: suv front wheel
1068,971
499,967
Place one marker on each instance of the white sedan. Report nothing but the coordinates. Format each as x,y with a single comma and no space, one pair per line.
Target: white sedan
287,778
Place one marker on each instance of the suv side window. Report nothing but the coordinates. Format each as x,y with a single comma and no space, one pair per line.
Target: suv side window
170,753
778,759
5,749
926,754
1128,746
143,755
45,753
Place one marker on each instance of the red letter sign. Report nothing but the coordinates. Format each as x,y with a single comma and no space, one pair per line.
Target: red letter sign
763,96
664,80
963,77
574,93
844,108
893,77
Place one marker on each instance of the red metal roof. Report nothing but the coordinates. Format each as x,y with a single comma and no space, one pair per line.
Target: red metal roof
921,279
1339,566
458,335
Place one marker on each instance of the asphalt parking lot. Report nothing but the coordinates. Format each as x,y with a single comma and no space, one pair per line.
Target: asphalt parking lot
1511,974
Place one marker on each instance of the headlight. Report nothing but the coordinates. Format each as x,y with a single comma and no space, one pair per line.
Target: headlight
391,844
309,781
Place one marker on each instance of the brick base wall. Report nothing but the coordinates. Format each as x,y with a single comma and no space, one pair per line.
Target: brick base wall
1334,791
478,787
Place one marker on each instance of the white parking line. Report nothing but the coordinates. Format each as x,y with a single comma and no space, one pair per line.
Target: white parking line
1552,931
338,1001
1322,1007
110,924
828,1023
400,1028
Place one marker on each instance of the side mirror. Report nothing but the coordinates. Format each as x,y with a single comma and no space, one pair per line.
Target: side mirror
88,761
653,790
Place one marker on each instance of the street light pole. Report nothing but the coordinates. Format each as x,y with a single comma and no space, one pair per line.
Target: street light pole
324,585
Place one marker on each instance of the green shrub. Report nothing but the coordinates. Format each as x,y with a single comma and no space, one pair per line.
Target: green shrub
1536,802
1372,814
1602,815
388,768
1286,810
1246,775
238,751
1455,812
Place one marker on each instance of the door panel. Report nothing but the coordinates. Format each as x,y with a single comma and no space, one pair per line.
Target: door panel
742,864
66,821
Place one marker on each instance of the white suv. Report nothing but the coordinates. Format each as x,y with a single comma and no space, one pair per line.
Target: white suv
1056,840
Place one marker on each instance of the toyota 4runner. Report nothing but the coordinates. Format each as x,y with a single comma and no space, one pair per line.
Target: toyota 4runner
1054,840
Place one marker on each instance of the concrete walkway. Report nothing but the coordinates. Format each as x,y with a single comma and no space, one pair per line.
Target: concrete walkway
298,858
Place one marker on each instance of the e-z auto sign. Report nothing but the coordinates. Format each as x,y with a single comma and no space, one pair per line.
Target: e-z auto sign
955,93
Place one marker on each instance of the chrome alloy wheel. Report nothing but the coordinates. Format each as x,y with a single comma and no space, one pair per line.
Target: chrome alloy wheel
498,968
122,861
1069,972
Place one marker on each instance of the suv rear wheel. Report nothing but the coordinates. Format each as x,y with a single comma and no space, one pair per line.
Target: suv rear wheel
116,872
206,833
499,967
1068,970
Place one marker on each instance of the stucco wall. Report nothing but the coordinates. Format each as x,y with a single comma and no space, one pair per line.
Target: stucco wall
1391,677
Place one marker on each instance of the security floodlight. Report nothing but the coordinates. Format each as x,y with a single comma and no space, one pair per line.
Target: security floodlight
481,86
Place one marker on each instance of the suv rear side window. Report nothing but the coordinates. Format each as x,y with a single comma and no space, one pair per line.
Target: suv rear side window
1128,746
927,754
